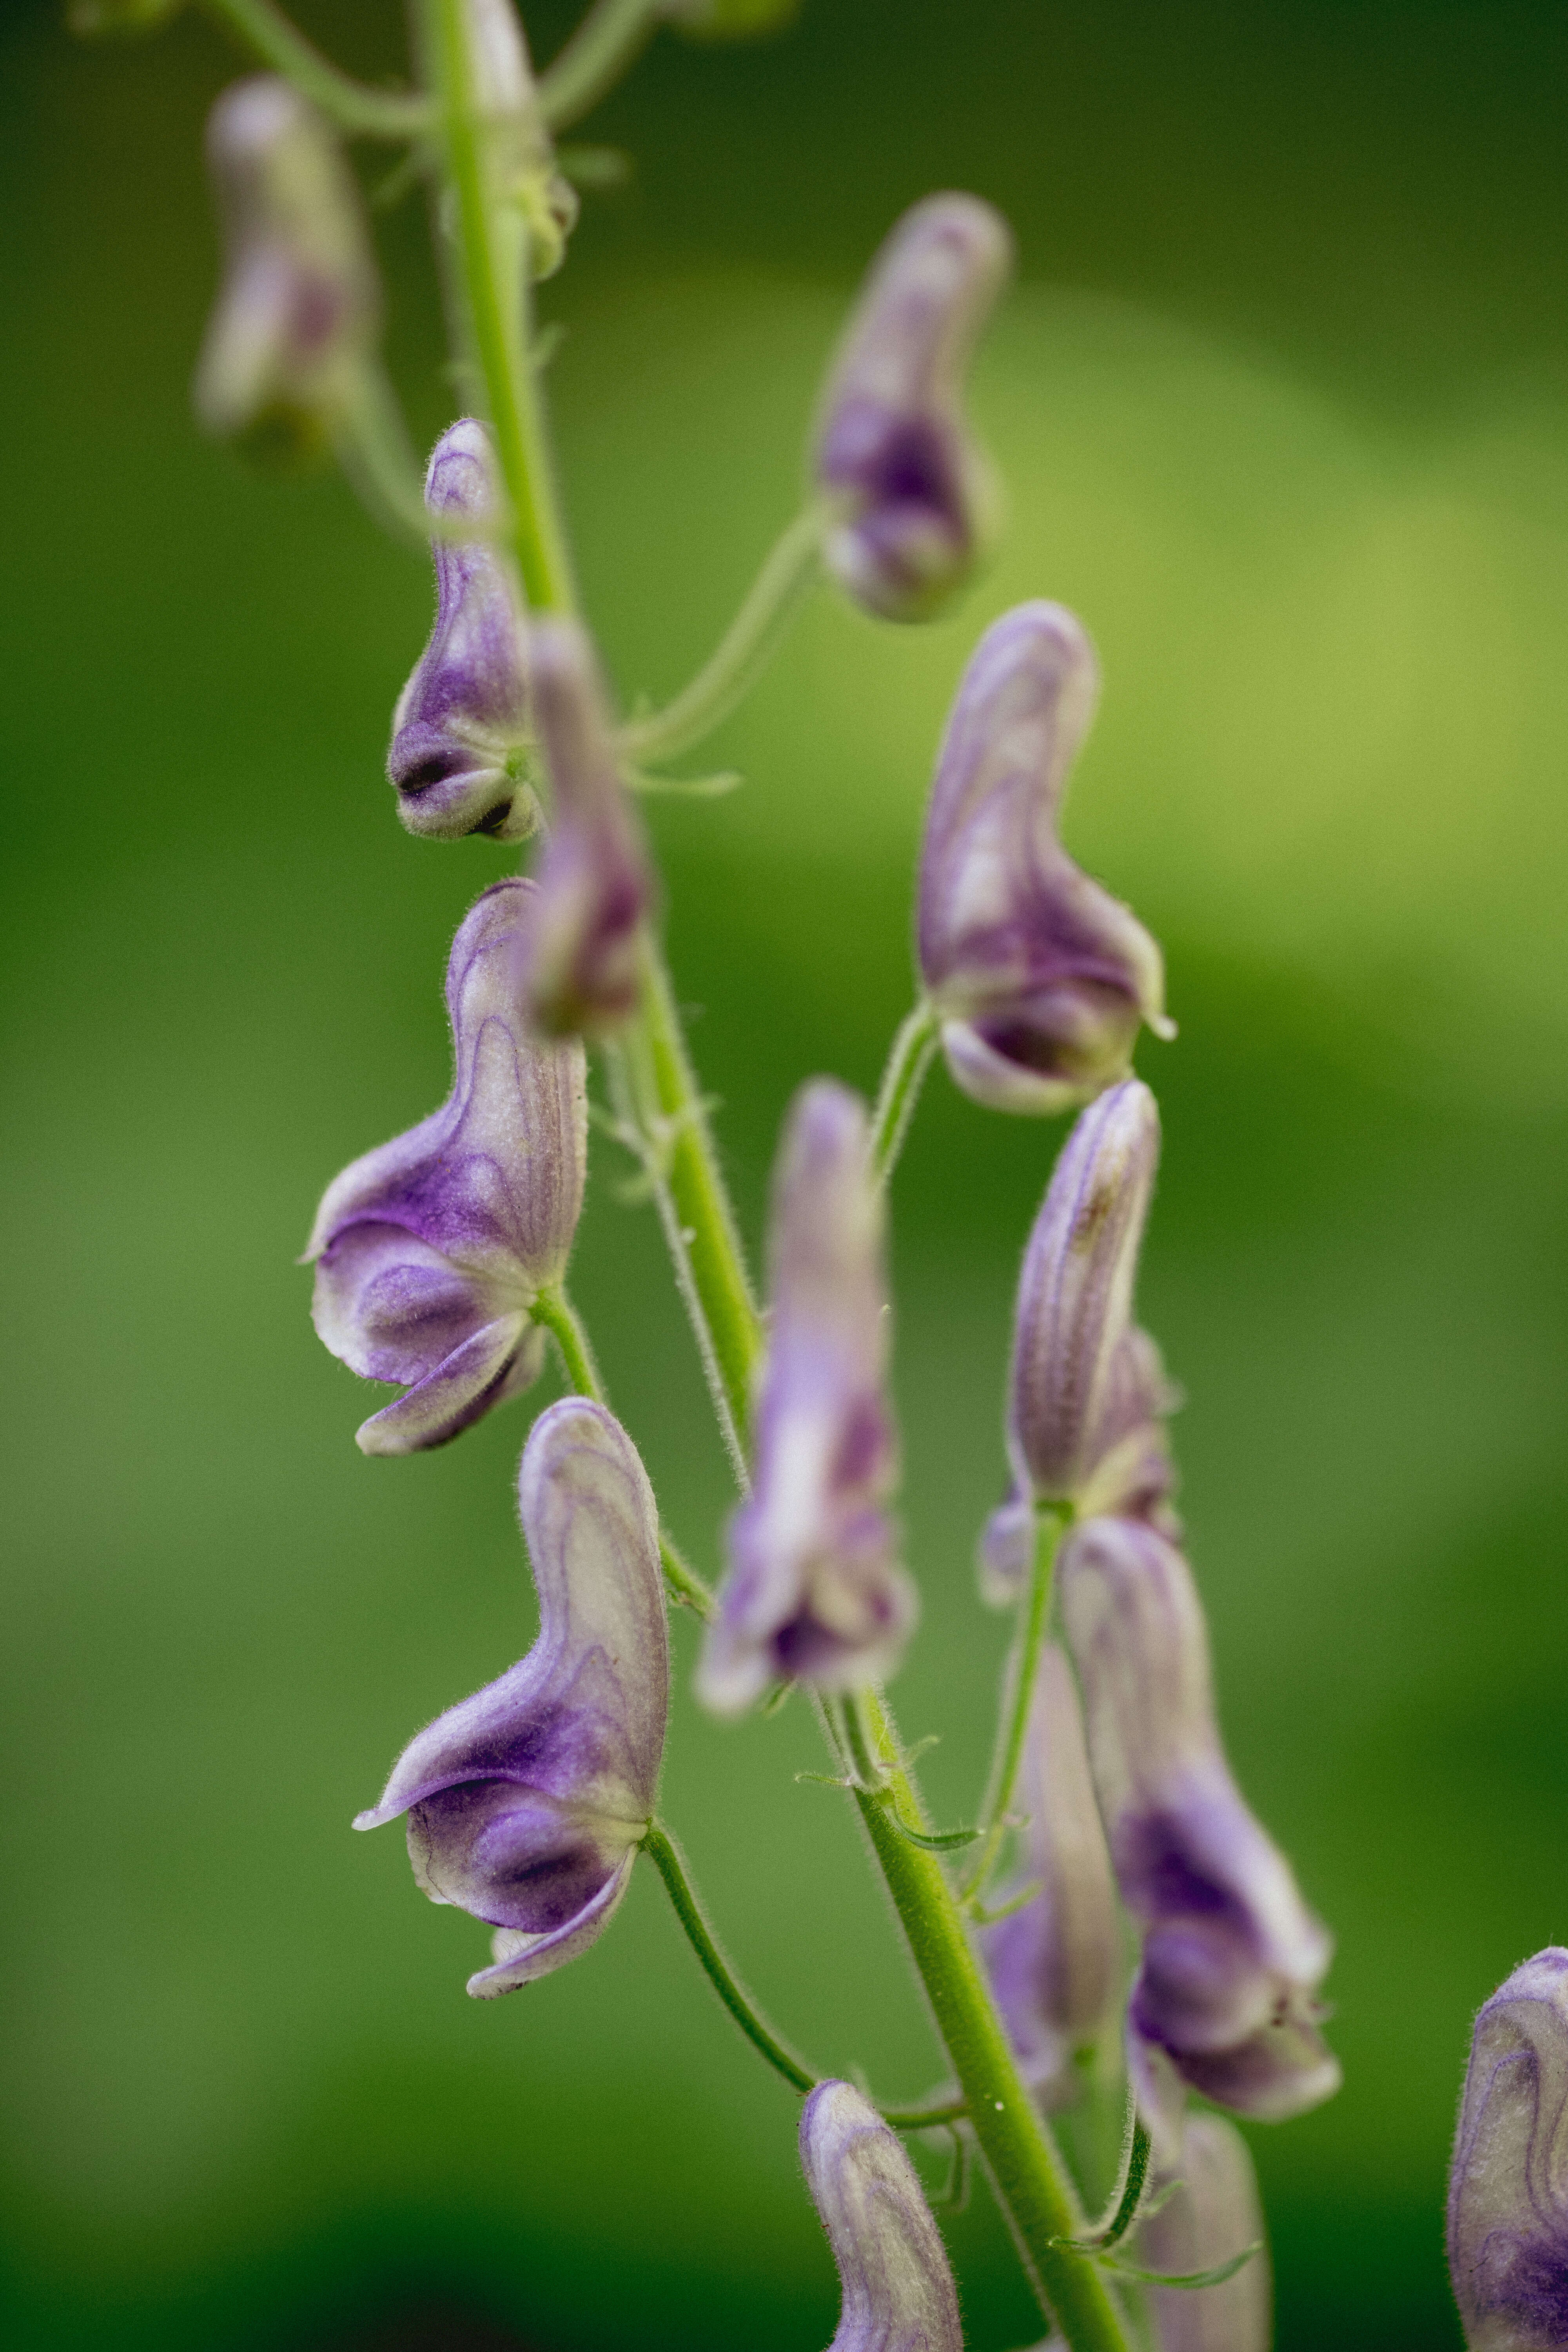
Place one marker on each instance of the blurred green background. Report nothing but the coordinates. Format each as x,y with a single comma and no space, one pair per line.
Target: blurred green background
1282,402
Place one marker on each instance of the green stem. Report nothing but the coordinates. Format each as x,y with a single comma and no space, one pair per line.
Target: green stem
1032,2187
377,114
1012,1725
663,1851
909,1059
793,567
593,60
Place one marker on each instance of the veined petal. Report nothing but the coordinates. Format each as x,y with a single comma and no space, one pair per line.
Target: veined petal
521,1959
898,2286
1508,2191
498,1360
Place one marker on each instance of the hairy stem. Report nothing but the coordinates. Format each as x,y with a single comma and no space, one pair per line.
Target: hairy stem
1013,1724
610,37
742,654
663,1851
909,1059
374,113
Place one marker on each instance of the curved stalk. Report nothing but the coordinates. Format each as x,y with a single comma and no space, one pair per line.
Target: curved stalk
909,1059
374,113
1011,1729
610,38
665,1855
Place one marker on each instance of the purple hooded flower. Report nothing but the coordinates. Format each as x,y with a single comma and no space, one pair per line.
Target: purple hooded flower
1087,1392
815,1592
430,1251
462,718
1231,1957
898,2288
893,451
1507,2192
300,308
1054,1963
1040,977
596,881
1204,2222
527,1802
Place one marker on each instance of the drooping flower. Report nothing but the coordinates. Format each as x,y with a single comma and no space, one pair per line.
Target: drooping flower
893,449
595,879
300,308
462,718
898,2288
1041,978
1054,1962
431,1250
527,1802
1204,2222
1508,2190
1088,1394
1231,1958
815,1592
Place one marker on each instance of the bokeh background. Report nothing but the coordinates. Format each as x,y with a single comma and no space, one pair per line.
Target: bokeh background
1282,401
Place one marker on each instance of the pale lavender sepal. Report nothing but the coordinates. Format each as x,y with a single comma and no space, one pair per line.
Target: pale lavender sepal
430,1250
595,878
1054,1963
299,308
1041,978
898,2288
463,715
527,1801
893,450
814,1591
1508,2190
1231,1958
1200,2224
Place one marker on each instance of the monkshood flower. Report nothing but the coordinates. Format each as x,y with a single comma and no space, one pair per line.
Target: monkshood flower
299,308
431,1250
1040,977
1054,1962
463,715
815,1592
1231,1958
899,2294
1088,1393
1507,2192
595,880
1202,2224
527,1802
894,454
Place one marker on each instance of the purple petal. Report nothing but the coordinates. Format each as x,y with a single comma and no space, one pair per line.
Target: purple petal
526,1800
898,2288
499,1360
1507,2192
519,1957
1210,2212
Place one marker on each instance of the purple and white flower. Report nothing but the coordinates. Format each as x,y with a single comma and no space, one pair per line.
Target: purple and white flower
300,308
431,1250
1224,1998
1040,977
911,488
527,1802
1208,2214
899,2294
461,721
1508,2191
814,1591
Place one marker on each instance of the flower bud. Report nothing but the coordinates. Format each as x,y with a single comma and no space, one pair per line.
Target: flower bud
910,486
1040,977
1210,2213
463,715
815,1592
596,881
431,1250
1507,2192
1231,1958
300,307
899,2294
527,1802
1054,1962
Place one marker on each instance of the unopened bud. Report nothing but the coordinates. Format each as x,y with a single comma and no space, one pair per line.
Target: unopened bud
1208,2213
300,306
1508,2191
462,718
898,2288
893,450
1041,978
596,878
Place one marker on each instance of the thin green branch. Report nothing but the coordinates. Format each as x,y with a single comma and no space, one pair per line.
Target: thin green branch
792,569
909,1059
663,1852
608,41
1012,1725
373,113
